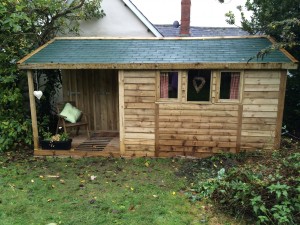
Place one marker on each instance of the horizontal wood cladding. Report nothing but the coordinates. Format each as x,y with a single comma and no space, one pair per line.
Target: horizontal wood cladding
139,113
197,130
165,128
260,109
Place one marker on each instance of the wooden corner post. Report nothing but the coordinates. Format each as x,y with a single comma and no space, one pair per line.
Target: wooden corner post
33,110
121,112
282,88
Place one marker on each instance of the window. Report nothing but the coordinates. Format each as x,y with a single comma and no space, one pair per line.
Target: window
198,85
169,85
230,86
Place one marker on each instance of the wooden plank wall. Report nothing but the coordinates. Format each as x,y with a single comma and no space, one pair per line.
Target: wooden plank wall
96,94
260,109
197,130
164,129
139,113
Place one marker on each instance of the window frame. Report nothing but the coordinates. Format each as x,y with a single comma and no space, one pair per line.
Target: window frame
210,91
178,99
218,87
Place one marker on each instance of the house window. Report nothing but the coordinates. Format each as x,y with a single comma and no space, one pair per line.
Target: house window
168,85
199,85
230,85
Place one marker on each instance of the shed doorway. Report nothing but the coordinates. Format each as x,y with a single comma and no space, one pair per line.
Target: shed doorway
96,93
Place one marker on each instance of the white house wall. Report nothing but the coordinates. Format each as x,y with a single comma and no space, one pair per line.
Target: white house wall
119,21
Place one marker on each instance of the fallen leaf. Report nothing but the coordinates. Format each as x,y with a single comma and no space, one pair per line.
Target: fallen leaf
52,176
93,177
62,181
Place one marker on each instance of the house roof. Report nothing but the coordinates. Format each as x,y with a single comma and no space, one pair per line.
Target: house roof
142,18
155,53
170,31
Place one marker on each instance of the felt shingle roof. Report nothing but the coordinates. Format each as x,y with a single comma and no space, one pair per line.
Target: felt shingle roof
126,53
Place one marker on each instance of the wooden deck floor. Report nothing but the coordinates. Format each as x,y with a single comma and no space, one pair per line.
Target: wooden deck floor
100,144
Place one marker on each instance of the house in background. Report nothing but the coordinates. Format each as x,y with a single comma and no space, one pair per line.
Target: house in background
123,19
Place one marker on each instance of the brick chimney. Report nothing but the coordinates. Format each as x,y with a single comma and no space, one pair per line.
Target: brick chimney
185,18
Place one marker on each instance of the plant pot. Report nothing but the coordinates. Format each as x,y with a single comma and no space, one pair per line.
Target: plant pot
56,145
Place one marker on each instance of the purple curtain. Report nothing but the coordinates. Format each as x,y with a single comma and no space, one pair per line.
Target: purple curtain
234,85
164,85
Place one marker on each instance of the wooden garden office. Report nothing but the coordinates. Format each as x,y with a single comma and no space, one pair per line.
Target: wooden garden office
172,96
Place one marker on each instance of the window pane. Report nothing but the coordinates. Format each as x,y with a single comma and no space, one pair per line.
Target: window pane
199,85
169,85
230,85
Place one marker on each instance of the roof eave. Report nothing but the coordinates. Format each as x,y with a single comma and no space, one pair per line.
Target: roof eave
153,66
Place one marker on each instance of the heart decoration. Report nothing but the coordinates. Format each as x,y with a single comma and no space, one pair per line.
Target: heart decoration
38,94
199,86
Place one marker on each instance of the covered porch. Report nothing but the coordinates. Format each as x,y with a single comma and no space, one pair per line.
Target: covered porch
95,93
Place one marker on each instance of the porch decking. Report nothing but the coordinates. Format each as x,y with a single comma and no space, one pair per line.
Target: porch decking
100,144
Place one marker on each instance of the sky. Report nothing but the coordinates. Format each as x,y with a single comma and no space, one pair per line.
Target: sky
206,13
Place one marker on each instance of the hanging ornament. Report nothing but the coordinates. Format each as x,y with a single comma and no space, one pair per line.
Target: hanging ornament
198,83
38,94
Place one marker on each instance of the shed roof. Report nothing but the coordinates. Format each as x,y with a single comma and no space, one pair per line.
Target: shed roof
154,53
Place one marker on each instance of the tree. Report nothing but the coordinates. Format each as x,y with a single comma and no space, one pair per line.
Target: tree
24,26
281,20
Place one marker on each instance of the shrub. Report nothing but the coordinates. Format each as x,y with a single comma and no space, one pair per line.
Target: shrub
267,189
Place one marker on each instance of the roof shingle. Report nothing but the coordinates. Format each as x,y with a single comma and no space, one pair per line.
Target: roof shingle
135,51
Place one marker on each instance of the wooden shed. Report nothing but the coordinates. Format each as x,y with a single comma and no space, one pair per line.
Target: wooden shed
171,96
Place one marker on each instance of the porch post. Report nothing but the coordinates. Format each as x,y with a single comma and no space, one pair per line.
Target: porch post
33,110
121,113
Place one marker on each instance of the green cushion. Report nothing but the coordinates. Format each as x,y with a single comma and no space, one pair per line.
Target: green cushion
71,113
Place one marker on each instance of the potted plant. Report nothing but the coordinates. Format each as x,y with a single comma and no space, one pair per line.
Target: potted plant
56,142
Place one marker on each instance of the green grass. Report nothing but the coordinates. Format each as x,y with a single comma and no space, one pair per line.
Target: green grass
125,191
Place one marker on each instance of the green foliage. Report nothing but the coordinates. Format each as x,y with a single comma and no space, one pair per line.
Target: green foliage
279,19
291,116
266,189
57,137
24,26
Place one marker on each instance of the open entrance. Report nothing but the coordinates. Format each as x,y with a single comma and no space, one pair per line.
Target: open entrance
96,94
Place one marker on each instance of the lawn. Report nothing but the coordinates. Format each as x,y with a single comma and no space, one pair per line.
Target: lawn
99,191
